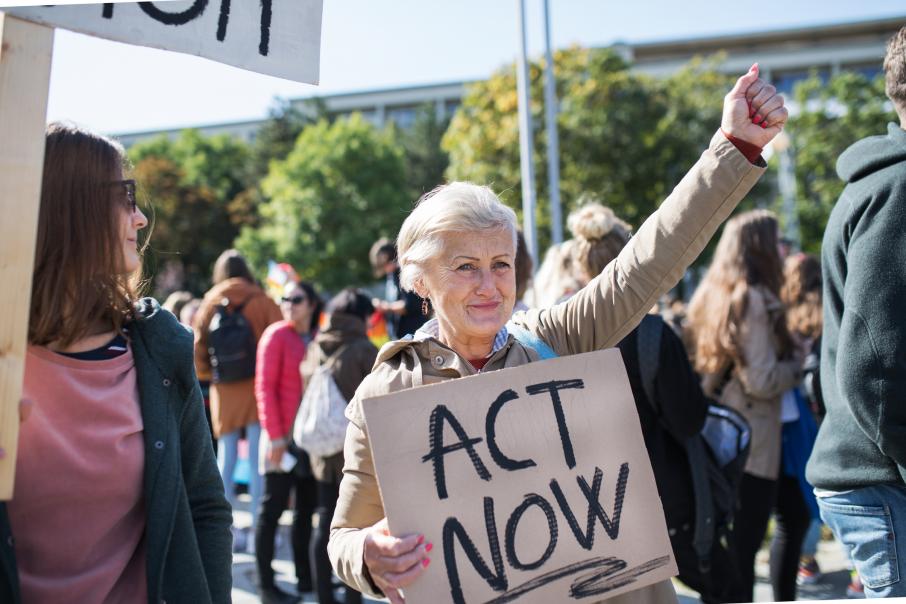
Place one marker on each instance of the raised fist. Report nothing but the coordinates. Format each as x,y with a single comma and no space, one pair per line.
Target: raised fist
753,110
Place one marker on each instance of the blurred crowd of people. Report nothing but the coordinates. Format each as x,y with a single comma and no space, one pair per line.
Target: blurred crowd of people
138,414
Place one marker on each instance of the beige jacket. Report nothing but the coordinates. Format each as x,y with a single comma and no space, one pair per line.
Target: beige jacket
756,387
597,317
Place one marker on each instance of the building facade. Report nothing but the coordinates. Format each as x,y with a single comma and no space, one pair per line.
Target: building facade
785,56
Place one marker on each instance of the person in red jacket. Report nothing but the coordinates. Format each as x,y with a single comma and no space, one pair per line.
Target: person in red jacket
278,391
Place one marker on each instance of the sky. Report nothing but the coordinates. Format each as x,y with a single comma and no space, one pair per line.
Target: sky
366,44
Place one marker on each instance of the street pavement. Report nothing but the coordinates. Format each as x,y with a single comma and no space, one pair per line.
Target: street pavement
830,557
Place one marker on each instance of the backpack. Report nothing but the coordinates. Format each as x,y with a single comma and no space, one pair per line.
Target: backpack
231,344
320,424
717,455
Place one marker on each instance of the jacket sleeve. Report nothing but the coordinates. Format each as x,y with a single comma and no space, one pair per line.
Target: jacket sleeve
871,345
359,505
654,260
211,513
682,404
268,364
762,375
200,328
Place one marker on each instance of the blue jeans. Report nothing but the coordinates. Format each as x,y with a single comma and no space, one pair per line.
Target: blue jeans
871,523
227,455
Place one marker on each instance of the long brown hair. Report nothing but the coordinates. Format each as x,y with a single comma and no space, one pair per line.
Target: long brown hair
746,256
801,294
77,281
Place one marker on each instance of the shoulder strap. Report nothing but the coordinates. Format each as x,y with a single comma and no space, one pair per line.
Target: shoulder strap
239,307
530,340
332,358
648,347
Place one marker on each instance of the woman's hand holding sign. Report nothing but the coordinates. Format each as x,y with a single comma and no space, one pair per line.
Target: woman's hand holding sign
394,562
753,110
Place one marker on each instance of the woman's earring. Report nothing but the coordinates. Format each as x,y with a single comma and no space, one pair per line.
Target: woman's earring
425,308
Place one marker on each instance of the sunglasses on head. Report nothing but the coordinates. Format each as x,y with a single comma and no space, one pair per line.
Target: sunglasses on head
294,299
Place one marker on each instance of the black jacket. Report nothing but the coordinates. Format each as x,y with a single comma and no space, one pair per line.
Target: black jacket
862,440
412,318
677,414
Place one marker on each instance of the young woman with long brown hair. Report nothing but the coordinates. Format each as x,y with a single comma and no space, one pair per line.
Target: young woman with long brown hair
117,496
747,358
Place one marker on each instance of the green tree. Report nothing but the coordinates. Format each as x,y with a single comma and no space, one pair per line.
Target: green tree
196,187
425,159
190,227
832,116
340,188
625,138
278,134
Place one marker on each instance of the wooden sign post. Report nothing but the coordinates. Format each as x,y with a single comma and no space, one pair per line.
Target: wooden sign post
25,53
532,483
282,39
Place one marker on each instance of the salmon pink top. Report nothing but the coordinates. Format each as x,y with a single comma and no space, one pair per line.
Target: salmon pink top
78,514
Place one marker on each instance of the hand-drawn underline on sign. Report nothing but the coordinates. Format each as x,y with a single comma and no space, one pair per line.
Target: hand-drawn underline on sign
606,576
196,10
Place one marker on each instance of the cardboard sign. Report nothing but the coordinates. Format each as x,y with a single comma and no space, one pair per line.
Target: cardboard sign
533,483
267,36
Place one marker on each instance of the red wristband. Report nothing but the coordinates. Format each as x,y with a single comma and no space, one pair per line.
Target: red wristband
752,152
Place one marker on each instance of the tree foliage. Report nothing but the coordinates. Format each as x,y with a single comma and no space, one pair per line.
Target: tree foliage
832,116
425,159
625,138
195,185
340,188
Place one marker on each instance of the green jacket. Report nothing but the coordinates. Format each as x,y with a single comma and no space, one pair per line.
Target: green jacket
862,440
187,535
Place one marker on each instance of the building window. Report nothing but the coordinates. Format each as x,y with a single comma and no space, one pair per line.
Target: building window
869,70
404,117
785,81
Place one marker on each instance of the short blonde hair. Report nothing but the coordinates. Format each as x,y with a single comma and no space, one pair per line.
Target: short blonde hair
456,207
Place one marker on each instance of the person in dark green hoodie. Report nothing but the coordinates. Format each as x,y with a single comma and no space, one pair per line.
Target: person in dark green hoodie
858,465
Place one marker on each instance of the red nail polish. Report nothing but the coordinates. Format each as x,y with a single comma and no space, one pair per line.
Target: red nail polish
421,539
764,124
426,562
429,547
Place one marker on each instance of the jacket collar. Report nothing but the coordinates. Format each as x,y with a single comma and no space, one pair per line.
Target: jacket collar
431,329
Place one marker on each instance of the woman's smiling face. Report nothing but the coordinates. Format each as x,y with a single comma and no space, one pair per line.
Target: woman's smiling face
472,284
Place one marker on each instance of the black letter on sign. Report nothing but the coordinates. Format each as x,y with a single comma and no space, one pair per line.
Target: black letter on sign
224,19
453,528
174,18
266,12
490,427
553,388
438,449
587,539
107,13
511,525
591,494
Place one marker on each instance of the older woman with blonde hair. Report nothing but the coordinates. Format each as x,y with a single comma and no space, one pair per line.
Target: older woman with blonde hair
457,250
